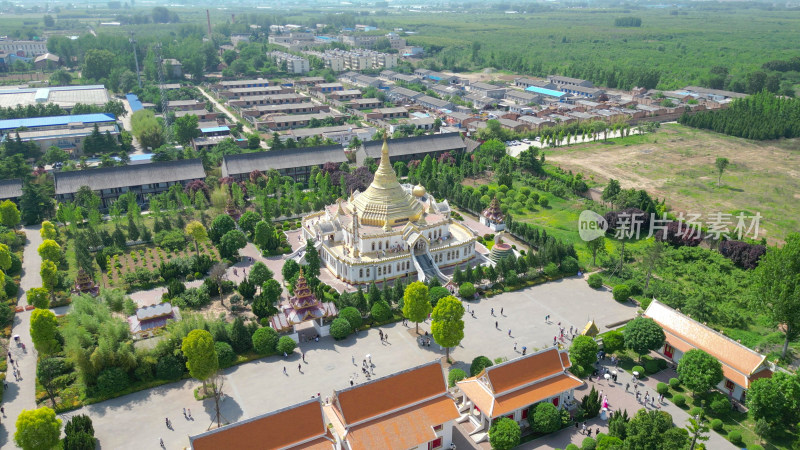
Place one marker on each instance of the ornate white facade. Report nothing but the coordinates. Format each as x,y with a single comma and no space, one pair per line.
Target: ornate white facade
388,231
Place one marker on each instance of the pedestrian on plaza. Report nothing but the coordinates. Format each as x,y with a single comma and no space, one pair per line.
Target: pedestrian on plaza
2,411
597,431
184,413
354,360
166,420
555,338
627,385
509,332
473,313
300,368
386,337
524,350
576,425
583,428
189,413
304,356
496,325
501,311
589,432
351,381
515,346
492,312
161,441
284,371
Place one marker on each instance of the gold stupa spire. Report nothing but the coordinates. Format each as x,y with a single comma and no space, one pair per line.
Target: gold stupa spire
385,202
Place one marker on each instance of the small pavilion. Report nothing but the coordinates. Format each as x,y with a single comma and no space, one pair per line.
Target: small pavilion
303,308
148,319
493,217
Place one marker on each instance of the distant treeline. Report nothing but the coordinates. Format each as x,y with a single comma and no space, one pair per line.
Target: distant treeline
761,116
628,22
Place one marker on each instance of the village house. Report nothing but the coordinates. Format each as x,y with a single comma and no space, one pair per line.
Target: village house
64,132
400,94
481,101
11,190
510,389
276,122
513,125
388,113
487,90
528,82
535,123
740,365
241,92
567,81
288,108
201,114
411,409
429,102
347,94
309,81
327,87
364,103
185,105
277,99
238,84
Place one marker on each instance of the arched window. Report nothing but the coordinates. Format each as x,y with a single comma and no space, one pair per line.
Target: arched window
373,246
360,273
380,245
379,271
387,244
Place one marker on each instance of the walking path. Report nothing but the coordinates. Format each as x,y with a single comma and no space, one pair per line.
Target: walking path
126,123
21,394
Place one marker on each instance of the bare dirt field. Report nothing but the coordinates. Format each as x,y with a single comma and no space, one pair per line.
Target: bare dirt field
677,163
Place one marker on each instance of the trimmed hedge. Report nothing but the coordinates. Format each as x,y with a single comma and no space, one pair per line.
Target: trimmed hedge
679,400
340,328
651,367
595,281
735,437
716,424
674,383
454,376
639,369
696,411
662,388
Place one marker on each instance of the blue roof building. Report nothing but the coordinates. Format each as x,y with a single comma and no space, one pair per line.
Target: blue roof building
54,121
134,101
547,92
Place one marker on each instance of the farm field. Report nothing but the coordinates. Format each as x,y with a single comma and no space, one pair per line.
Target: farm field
677,163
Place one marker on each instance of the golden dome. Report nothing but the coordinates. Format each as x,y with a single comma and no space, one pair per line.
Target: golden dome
418,190
385,202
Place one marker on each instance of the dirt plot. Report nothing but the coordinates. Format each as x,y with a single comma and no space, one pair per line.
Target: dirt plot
677,163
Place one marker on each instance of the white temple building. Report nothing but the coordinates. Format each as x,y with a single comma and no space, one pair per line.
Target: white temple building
388,231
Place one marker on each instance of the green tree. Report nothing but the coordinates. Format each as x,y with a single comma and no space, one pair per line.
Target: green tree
697,430
50,250
613,341
652,430
9,214
197,232
504,434
596,246
618,424
416,305
231,243
312,259
97,64
37,429
583,353
642,335
248,221
381,311
775,400
447,325
5,257
545,418
48,230
49,274
222,224
260,273
286,345
44,331
721,164
263,304
185,129
241,341
201,356
39,297
352,316
264,236
699,371
265,340
478,364
47,370
776,288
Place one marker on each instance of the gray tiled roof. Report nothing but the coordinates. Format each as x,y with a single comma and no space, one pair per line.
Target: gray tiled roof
282,159
416,144
10,189
126,176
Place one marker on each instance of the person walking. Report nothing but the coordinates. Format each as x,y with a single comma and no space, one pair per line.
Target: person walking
353,359
284,371
492,312
184,414
524,350
515,346
501,312
300,368
496,326
509,332
627,385
189,413
304,356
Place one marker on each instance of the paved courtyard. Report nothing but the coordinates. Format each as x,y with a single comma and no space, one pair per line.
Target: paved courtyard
137,420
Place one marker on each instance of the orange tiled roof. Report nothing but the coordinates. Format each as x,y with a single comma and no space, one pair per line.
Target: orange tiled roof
684,333
521,371
520,382
404,429
391,393
297,427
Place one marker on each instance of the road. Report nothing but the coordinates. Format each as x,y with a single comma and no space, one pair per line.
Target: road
20,395
126,123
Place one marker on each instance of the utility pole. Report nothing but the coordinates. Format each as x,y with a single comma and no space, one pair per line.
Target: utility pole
136,59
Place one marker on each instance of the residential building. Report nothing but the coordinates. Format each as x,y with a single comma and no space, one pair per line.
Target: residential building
64,132
172,68
64,96
512,125
487,90
23,47
141,179
713,94
327,87
291,162
360,40
347,94
365,103
236,84
436,77
412,51
339,60
411,409
582,91
294,63
185,105
510,389
415,147
288,108
239,37
534,123
275,99
528,82
236,93
394,76
388,113
522,97
276,122
202,114
429,102
400,94
309,81
740,365
11,190
481,101
301,426
342,134
46,61
567,81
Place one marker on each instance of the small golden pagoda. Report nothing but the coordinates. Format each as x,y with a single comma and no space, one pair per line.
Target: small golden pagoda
493,217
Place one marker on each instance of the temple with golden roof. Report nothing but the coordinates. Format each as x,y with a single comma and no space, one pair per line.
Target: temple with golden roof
388,231
493,217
